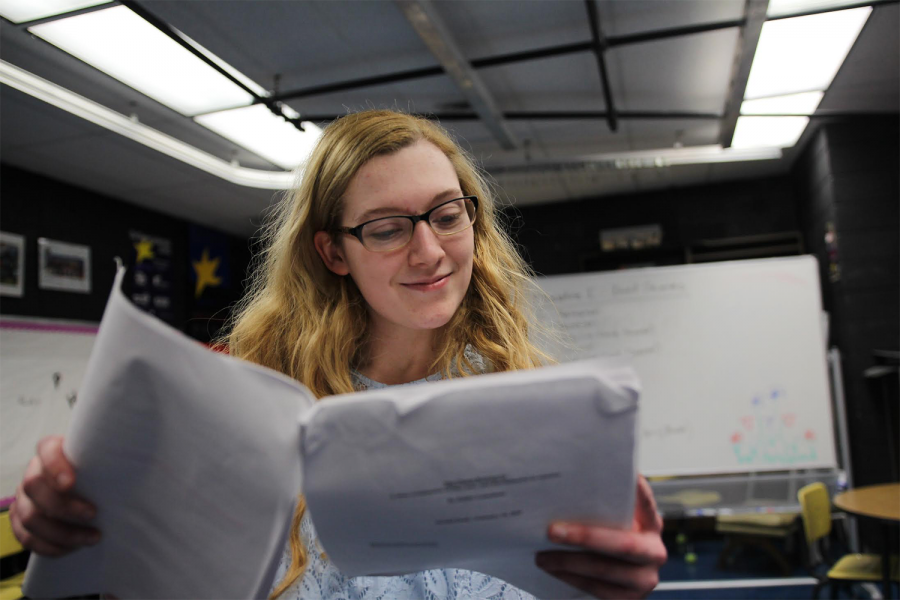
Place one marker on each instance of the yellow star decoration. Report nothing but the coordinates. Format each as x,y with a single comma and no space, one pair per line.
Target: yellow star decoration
206,272
144,250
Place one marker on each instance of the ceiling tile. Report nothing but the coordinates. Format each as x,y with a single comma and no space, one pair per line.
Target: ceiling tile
638,16
313,43
687,74
570,82
26,121
868,80
484,29
306,43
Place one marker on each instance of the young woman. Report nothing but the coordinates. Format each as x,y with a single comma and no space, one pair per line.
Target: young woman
386,266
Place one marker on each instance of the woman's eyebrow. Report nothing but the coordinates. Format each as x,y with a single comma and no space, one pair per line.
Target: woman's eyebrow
390,211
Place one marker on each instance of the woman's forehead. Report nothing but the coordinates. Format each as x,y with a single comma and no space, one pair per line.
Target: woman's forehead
408,181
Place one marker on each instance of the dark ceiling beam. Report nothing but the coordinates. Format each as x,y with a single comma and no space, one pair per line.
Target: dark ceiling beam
173,34
536,54
353,84
552,116
541,53
599,48
425,20
665,34
623,115
506,59
71,13
611,42
273,105
754,17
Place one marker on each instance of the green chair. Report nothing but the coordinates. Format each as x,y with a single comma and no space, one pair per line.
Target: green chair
815,508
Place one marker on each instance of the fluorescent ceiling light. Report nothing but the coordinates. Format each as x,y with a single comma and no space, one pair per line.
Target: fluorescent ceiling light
756,132
804,53
20,11
780,8
691,155
252,85
641,159
258,130
792,104
128,48
96,113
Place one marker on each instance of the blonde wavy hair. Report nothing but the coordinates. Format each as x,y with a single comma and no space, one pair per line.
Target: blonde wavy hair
303,320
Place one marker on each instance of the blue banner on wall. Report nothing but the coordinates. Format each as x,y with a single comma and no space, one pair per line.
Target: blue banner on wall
210,271
151,273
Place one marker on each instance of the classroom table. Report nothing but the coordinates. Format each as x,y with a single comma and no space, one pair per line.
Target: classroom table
879,502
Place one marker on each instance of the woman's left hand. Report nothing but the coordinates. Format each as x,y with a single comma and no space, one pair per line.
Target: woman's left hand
611,563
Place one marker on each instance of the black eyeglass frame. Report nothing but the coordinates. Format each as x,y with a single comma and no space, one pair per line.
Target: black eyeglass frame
357,231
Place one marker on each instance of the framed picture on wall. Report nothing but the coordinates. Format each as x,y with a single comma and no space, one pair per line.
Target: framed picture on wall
12,264
64,267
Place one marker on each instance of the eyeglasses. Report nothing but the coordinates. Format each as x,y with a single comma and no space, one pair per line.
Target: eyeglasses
392,233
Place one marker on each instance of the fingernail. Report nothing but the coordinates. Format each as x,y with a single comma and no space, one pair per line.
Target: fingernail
63,479
559,532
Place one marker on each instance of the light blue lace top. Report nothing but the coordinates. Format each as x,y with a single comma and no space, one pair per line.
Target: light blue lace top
323,581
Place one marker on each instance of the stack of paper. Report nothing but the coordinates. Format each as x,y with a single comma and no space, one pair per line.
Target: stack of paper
468,473
194,461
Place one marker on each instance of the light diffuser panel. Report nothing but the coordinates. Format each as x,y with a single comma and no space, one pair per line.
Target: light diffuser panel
258,130
117,123
792,104
122,44
22,11
780,8
803,54
771,132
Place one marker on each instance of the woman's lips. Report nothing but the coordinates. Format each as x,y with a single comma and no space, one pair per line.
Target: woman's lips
434,284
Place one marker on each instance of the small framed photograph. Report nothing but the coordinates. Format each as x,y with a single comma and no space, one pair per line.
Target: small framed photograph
12,264
65,267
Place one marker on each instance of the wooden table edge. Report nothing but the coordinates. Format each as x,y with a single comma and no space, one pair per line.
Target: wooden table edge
846,501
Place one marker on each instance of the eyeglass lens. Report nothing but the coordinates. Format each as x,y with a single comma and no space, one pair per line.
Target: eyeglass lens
391,233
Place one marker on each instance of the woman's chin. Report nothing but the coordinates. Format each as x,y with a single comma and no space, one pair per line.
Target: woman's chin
433,323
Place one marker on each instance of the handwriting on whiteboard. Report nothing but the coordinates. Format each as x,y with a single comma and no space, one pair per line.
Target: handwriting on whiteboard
630,291
664,432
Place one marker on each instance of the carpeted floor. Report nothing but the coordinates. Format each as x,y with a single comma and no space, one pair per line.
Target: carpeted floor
694,571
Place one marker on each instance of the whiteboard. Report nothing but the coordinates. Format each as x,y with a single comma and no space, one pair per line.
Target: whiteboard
731,357
42,363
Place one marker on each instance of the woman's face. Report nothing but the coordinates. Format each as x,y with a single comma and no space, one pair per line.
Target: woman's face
418,286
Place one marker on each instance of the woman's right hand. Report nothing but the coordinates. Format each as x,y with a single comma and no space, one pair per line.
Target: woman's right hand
47,516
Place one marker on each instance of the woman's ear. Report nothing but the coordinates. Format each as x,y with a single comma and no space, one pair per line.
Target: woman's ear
332,254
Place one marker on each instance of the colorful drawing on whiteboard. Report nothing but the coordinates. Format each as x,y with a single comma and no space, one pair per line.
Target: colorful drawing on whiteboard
769,433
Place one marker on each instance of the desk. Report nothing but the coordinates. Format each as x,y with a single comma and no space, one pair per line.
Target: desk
880,502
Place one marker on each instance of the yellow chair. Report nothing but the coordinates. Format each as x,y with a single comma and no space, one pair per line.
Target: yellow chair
815,507
10,585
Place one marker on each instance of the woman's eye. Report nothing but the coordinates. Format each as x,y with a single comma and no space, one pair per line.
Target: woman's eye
448,219
385,234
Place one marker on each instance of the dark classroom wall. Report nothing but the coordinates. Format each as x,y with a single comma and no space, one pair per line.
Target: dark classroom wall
849,178
564,237
34,206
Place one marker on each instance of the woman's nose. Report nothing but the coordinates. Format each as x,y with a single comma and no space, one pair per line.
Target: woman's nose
425,246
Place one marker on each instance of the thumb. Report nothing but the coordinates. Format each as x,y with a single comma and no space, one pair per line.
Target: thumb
646,517
56,467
